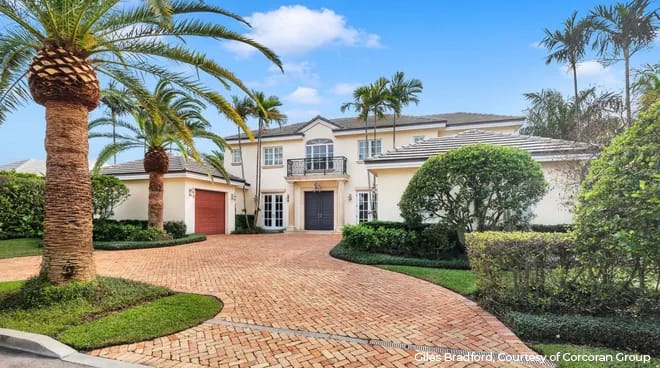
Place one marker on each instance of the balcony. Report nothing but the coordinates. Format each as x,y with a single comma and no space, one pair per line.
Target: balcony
316,166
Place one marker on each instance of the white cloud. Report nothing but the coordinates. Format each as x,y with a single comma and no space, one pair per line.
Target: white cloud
297,29
299,115
305,96
589,68
299,71
344,89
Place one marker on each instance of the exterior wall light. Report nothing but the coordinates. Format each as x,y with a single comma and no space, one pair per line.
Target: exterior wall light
350,197
191,192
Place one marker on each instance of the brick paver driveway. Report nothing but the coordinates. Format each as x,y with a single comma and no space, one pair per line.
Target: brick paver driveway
288,303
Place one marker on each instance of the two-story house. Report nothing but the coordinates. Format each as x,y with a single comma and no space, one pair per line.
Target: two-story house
315,173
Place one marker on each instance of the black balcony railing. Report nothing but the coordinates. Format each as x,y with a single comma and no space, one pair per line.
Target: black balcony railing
316,166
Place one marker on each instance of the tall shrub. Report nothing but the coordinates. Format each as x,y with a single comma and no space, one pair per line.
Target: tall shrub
21,204
476,187
108,192
618,212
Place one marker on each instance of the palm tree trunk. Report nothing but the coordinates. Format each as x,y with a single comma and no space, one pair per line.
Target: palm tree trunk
257,197
114,135
393,131
578,122
155,210
366,155
240,149
374,215
626,57
68,195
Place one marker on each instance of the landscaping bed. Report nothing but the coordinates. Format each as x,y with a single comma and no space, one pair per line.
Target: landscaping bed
341,251
104,312
119,245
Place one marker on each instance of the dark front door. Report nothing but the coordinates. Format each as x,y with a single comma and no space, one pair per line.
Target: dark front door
319,211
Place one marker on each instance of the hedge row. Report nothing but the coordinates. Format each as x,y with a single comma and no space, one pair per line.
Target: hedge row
430,241
641,335
136,230
22,204
119,245
543,272
340,251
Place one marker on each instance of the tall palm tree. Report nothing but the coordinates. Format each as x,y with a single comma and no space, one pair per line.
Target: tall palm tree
244,107
177,123
568,46
374,99
622,30
402,92
216,160
52,50
118,102
268,112
647,85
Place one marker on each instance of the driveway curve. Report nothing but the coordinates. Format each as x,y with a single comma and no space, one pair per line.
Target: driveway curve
288,303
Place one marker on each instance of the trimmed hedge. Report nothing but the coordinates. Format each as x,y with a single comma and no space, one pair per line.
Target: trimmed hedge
340,251
241,224
559,228
119,245
22,204
432,241
543,272
136,230
641,335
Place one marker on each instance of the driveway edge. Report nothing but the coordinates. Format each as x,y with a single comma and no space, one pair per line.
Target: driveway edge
48,347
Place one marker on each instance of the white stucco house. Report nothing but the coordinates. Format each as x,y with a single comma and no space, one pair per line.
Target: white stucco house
314,174
193,193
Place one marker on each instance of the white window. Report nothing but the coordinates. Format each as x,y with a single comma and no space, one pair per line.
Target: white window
375,148
273,156
236,156
366,206
318,155
418,138
273,211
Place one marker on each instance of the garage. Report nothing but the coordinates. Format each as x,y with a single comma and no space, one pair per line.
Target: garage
209,212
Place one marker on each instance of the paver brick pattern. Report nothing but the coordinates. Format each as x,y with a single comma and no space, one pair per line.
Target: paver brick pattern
289,281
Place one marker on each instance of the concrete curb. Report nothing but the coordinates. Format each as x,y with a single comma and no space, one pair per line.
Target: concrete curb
48,347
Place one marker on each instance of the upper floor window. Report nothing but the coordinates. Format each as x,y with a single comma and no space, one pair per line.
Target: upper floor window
236,156
273,156
318,154
418,138
375,148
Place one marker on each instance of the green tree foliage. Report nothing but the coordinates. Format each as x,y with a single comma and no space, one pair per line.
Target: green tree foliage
618,213
22,204
553,116
647,85
476,187
108,192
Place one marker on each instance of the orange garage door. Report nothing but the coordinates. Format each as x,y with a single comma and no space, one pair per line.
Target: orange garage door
209,212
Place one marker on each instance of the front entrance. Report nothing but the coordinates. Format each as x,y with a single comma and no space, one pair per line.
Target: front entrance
319,211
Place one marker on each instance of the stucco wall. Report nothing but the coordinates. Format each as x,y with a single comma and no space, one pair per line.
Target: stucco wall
551,209
274,178
178,204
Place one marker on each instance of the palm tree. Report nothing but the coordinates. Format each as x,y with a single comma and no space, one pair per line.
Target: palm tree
374,99
118,102
622,30
402,92
267,111
244,107
647,85
52,50
177,123
216,160
568,46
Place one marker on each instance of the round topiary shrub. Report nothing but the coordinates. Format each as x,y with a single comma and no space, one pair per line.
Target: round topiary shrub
475,187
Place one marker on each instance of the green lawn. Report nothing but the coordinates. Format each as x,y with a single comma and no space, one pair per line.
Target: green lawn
575,350
19,248
104,312
460,281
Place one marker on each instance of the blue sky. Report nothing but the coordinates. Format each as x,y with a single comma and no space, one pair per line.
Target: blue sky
476,56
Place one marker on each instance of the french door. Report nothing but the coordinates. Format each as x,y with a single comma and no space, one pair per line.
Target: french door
273,211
